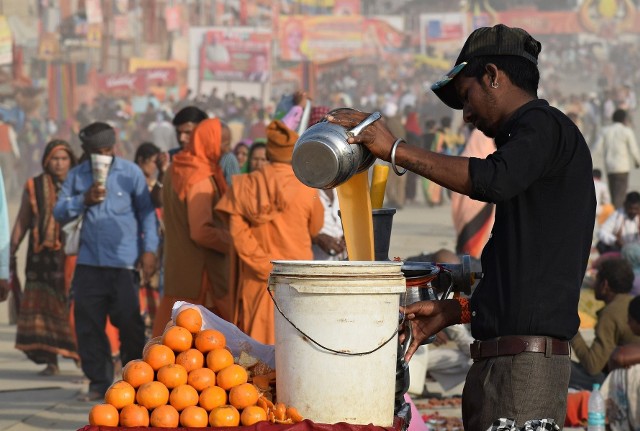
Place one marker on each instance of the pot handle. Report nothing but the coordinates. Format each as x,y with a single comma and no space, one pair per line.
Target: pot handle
370,119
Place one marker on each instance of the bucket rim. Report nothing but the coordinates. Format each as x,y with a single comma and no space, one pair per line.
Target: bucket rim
339,263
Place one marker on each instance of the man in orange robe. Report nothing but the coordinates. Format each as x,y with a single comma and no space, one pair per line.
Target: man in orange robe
271,216
196,241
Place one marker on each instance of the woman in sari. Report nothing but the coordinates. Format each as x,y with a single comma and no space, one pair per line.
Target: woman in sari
473,219
44,330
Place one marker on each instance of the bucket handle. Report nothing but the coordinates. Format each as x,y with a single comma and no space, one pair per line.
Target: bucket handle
338,352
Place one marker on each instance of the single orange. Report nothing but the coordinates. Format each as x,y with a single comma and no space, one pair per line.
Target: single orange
104,415
212,397
231,376
190,319
243,395
172,375
137,372
177,339
194,417
120,394
151,342
218,359
183,396
159,355
152,395
134,415
251,415
201,378
210,339
165,416
224,416
191,359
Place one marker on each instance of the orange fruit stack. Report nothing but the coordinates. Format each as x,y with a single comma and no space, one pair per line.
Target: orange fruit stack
188,379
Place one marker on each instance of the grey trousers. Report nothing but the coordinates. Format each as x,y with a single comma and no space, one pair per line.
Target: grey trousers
618,184
522,387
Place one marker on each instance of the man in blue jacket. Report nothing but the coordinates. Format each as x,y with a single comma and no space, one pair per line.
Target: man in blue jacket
119,231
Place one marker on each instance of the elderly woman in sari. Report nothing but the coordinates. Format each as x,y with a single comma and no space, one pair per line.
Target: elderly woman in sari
196,244
44,330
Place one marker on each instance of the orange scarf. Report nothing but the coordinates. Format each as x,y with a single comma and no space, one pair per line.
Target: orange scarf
199,159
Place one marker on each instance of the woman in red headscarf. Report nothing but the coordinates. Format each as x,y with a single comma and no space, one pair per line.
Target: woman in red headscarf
44,329
196,244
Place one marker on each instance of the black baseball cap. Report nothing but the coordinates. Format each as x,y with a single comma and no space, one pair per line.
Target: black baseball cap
496,40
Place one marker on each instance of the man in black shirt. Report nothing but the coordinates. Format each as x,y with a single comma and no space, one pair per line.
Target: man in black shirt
525,309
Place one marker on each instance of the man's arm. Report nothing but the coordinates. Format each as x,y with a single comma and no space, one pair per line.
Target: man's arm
68,206
147,224
633,148
594,358
202,229
607,232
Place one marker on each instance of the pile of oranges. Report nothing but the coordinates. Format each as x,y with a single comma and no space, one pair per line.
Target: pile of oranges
187,378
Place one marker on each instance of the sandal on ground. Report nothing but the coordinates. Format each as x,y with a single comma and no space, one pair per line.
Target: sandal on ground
90,396
50,370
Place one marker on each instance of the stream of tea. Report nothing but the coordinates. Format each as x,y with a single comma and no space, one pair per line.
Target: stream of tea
356,211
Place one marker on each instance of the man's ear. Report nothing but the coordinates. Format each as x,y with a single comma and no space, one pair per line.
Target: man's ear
493,73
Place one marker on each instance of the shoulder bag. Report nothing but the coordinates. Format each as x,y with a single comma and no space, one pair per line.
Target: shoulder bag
72,235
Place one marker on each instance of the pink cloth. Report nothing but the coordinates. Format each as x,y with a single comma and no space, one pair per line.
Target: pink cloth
416,424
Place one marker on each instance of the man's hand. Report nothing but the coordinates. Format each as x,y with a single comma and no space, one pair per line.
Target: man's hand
95,195
4,290
376,136
162,162
427,318
149,264
329,244
300,98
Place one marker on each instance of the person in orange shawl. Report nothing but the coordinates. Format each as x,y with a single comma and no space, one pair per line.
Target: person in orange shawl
271,216
197,243
473,219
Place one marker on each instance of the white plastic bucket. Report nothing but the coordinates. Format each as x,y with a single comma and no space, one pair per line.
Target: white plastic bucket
338,363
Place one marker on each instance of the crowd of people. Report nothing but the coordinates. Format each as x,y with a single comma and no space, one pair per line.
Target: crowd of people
201,196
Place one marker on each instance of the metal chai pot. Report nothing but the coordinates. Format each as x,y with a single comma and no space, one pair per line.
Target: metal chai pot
322,157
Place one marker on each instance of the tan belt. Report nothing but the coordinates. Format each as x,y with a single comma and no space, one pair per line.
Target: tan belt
515,344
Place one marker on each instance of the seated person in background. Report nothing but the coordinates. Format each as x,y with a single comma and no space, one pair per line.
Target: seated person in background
447,365
620,389
613,284
622,226
631,253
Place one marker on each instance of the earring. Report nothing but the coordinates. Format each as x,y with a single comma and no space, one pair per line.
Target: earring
494,84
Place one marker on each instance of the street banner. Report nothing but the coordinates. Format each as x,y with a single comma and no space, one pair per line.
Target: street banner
172,17
347,7
121,27
94,11
161,76
443,27
235,54
6,42
134,83
328,38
